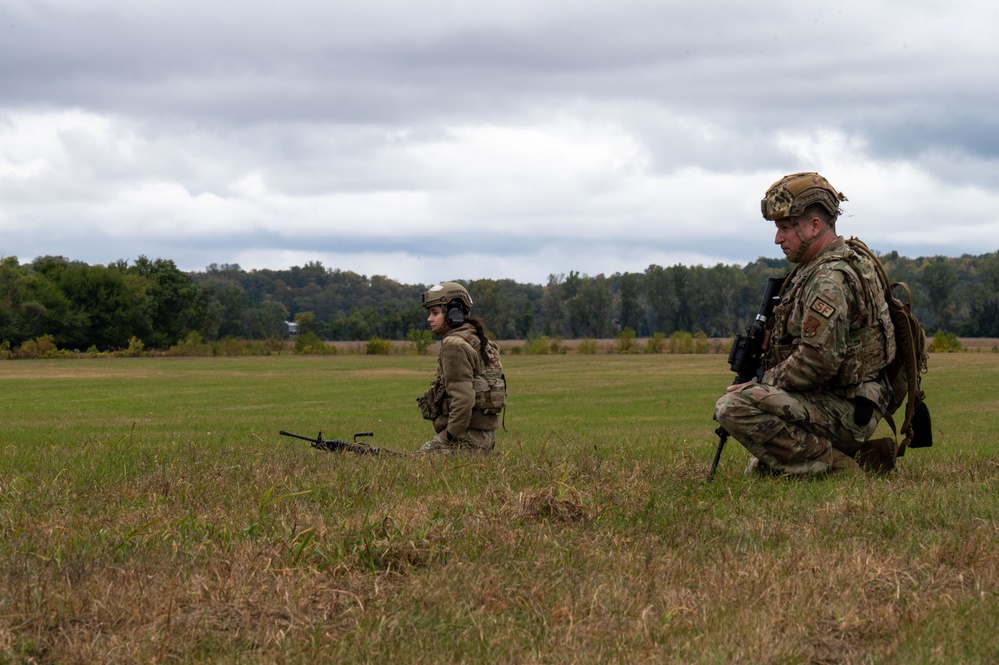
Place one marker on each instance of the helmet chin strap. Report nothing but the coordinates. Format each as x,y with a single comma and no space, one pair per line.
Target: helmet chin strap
803,247
805,244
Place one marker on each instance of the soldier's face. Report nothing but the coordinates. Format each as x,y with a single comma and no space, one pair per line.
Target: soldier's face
786,237
791,239
436,320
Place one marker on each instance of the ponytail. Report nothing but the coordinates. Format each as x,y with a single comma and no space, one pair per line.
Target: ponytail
480,332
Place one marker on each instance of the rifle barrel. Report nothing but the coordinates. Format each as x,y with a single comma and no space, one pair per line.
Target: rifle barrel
298,436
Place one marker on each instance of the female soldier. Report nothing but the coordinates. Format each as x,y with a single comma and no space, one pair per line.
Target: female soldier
465,398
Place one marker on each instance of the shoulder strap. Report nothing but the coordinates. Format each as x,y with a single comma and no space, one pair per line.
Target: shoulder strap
462,337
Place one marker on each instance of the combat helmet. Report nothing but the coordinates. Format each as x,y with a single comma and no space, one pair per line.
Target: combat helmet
445,293
789,196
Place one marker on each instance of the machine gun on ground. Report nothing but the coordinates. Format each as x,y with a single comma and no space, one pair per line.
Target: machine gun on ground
746,355
339,445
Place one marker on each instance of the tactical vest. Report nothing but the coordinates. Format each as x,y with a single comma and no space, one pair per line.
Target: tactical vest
488,379
870,345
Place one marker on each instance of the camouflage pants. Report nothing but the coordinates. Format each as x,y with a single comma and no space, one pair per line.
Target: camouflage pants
476,440
793,432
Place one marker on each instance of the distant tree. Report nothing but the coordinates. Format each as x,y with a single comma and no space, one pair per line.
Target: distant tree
553,302
306,322
32,304
983,314
227,312
591,311
666,292
107,306
632,311
178,305
270,320
939,277
80,306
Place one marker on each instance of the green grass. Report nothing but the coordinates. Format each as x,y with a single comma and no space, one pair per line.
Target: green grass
149,511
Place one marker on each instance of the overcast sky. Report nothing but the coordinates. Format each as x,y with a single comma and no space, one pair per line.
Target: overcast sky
458,139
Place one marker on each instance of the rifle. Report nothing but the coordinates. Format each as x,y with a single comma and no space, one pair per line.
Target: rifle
746,355
339,445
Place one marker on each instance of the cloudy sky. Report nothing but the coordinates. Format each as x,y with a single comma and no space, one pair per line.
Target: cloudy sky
460,139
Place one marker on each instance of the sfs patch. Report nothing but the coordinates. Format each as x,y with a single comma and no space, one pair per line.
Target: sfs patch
810,326
823,308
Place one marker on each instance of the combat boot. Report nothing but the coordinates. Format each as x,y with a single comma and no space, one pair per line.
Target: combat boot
877,455
839,461
759,468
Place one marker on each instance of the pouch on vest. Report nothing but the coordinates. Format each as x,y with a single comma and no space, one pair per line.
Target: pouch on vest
490,390
431,402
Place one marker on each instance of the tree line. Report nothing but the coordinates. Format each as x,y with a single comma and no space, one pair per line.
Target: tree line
104,307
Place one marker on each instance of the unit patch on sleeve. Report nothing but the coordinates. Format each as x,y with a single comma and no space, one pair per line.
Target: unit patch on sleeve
810,326
822,307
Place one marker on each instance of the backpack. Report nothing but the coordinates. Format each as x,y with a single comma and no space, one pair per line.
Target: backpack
905,371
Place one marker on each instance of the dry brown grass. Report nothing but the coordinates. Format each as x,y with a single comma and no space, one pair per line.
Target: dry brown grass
592,542
547,503
652,565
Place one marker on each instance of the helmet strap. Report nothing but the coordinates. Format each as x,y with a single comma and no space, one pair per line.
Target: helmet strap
803,247
805,244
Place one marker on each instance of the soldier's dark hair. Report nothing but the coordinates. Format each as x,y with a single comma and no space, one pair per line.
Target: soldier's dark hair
480,332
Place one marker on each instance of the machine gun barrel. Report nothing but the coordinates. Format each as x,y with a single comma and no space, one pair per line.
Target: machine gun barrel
335,445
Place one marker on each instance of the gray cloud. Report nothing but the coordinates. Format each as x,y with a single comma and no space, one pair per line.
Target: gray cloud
523,140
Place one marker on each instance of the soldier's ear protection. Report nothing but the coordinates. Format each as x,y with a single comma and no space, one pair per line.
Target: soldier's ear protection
455,316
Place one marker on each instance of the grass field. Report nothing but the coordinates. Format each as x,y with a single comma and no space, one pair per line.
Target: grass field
150,512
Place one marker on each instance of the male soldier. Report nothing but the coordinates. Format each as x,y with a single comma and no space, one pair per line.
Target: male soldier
821,390
465,398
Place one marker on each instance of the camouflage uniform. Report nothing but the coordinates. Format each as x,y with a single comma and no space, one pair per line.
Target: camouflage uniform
822,390
458,423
